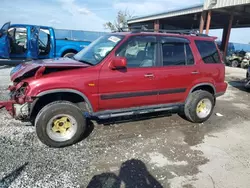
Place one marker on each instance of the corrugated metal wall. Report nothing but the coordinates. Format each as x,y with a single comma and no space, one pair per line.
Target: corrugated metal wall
223,3
168,14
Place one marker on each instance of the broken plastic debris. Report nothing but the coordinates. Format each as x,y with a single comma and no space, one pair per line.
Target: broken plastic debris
219,115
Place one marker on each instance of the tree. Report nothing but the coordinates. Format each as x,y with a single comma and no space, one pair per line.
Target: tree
120,22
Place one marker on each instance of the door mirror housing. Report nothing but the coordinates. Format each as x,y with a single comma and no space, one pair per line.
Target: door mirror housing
118,63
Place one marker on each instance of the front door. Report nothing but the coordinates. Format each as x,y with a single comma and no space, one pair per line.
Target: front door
4,41
178,70
134,86
18,42
33,42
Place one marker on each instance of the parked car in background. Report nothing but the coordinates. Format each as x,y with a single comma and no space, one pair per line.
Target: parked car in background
21,42
119,74
236,58
236,54
245,61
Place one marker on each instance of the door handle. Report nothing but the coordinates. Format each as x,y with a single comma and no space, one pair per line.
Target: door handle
149,75
195,72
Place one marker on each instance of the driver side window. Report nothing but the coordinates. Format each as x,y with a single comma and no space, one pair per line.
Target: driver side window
44,42
18,40
139,51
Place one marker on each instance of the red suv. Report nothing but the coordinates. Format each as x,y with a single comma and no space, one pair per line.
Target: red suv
119,74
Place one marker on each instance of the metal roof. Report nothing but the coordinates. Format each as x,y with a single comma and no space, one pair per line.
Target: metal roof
214,4
189,10
208,5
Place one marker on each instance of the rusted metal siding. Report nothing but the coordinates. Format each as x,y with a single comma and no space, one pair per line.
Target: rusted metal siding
210,4
167,14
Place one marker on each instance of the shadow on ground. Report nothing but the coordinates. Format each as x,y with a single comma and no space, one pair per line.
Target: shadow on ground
133,173
89,129
7,180
239,84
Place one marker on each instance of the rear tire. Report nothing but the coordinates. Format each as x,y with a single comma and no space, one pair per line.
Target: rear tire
60,124
192,108
69,55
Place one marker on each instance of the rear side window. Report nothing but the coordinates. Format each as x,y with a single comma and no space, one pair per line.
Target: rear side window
208,51
175,54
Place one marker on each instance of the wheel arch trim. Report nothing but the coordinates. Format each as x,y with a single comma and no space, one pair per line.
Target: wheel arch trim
203,84
66,91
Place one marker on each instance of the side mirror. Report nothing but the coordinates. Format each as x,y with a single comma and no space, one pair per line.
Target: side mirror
118,63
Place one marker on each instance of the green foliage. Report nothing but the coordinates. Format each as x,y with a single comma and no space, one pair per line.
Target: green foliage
120,22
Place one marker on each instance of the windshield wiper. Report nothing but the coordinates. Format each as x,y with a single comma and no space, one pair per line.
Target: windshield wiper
86,62
82,61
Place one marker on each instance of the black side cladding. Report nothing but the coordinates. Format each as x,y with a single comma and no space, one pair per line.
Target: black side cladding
141,94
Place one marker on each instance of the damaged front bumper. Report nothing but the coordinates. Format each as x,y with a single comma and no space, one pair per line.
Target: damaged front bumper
8,105
19,103
18,111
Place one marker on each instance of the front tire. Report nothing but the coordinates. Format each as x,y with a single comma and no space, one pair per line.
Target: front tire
199,106
60,124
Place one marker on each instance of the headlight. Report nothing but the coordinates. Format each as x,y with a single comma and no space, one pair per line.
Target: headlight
20,89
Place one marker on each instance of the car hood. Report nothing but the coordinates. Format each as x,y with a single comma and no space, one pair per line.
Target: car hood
22,70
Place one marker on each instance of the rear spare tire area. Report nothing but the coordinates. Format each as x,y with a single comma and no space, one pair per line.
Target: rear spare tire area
199,106
60,124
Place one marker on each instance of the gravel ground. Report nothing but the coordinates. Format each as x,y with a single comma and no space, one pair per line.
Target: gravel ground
144,152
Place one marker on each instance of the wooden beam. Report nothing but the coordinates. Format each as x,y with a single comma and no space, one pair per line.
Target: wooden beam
202,21
227,33
209,14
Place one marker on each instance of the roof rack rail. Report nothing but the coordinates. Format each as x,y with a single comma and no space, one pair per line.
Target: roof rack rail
143,28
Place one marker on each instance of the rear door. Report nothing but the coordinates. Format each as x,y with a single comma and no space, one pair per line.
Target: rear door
212,66
33,42
4,41
178,70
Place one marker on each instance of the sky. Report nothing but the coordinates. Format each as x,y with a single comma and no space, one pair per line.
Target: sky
92,14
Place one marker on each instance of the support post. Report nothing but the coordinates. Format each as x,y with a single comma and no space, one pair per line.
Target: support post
156,25
208,21
226,34
202,21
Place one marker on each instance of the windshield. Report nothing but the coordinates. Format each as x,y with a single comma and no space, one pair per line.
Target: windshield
99,49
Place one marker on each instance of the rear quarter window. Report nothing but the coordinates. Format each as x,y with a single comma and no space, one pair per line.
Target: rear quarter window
208,51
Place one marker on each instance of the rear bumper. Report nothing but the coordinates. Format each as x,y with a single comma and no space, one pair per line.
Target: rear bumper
221,89
18,111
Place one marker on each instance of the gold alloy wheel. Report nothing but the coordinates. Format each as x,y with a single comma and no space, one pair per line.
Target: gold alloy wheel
204,108
61,127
